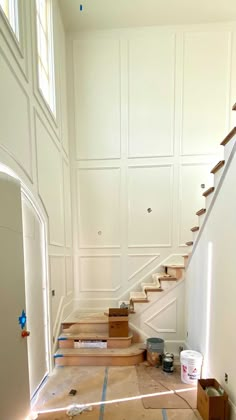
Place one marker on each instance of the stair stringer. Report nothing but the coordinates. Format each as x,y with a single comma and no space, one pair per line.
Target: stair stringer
230,156
163,316
147,277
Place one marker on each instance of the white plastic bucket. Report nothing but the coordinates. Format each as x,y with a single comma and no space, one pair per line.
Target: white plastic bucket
191,363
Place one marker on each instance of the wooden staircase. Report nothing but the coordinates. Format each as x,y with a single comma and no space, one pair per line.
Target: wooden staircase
85,341
161,281
218,171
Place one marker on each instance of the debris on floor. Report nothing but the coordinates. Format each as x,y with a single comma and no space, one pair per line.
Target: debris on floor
72,392
77,409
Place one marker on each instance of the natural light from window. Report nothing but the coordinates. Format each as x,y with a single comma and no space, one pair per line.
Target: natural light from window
10,9
45,52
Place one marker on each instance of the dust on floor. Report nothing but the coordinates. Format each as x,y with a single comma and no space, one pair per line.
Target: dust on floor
117,393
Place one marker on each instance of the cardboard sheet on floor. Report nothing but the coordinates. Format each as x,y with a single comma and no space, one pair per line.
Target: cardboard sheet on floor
153,380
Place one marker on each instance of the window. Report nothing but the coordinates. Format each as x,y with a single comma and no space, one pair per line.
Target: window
10,9
45,51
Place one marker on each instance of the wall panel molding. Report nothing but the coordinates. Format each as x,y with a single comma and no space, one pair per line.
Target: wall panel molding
143,266
103,269
25,166
53,199
97,95
161,311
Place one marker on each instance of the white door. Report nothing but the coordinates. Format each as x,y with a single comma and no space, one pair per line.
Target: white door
36,297
14,376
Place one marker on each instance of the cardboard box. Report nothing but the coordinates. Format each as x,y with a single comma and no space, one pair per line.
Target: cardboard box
118,329
211,407
118,322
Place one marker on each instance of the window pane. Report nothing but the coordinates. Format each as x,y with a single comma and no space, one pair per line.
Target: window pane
44,84
45,53
5,7
10,8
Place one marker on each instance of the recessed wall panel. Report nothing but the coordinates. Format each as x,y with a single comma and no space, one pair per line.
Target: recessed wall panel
150,206
50,182
69,275
57,278
100,274
97,98
205,91
190,198
67,204
98,201
14,117
138,263
151,95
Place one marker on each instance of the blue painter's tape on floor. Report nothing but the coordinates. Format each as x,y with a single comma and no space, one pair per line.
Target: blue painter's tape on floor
164,414
104,393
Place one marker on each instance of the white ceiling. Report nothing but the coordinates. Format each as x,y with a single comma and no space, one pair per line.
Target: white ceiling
107,14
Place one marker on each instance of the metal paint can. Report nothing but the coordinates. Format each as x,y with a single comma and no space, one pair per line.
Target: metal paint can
168,363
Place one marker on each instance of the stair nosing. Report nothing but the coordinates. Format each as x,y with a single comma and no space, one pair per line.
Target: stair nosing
229,136
200,212
217,167
209,191
195,229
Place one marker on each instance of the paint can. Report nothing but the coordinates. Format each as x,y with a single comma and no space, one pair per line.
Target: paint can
155,349
191,364
168,363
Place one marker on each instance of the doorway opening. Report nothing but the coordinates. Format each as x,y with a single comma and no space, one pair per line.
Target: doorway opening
36,285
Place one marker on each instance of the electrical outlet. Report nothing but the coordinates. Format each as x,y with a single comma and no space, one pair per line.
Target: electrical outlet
226,378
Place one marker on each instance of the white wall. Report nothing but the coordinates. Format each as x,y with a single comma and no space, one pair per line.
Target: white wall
147,110
34,143
211,288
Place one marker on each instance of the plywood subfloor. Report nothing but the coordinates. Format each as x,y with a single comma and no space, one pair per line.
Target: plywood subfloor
114,393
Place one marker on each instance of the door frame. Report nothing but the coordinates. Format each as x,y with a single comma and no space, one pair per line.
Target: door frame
42,215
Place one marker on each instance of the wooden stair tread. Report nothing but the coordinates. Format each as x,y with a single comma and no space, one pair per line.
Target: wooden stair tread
195,229
91,352
189,243
200,212
90,336
234,107
168,278
229,136
151,286
218,166
208,192
173,265
95,318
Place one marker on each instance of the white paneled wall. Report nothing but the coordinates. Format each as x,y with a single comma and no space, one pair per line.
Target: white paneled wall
99,207
151,83
34,144
206,90
150,206
97,70
151,106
